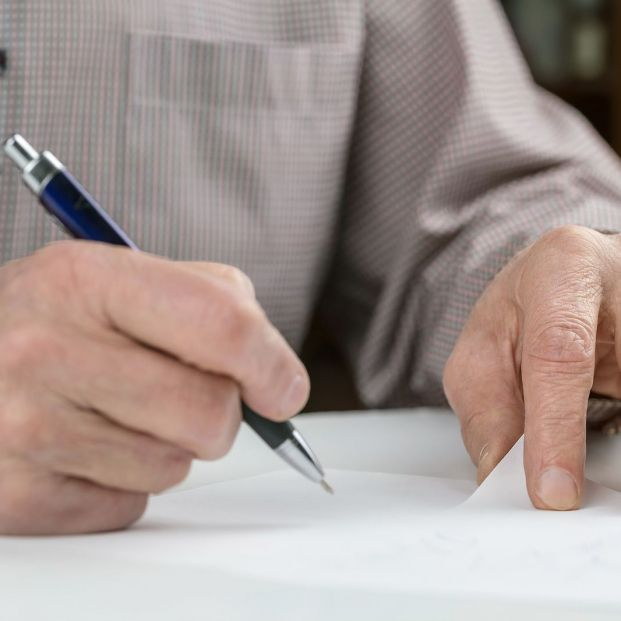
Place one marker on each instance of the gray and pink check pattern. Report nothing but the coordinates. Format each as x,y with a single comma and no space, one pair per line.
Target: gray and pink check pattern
380,160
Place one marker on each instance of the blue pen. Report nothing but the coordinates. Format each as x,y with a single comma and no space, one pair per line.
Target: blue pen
71,206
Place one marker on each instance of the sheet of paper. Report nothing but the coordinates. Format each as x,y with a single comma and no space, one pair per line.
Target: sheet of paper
277,527
387,546
391,532
513,550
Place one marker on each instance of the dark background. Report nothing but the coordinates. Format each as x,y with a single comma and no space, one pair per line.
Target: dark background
574,51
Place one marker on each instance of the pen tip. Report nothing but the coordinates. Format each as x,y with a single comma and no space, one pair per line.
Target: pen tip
326,487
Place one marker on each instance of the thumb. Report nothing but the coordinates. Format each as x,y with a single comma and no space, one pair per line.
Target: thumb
497,431
483,389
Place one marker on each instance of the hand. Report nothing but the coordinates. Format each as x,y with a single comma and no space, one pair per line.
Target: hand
541,337
116,369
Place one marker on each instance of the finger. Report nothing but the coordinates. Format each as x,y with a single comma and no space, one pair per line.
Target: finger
86,445
482,386
560,325
147,391
235,277
36,502
200,319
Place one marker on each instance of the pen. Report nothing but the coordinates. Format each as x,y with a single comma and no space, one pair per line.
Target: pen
78,213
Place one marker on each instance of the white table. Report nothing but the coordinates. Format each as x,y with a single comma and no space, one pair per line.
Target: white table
44,579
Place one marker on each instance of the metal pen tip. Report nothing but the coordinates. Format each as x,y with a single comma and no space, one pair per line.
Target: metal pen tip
326,487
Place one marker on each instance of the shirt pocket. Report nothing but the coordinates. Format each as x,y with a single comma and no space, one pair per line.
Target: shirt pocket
235,150
282,79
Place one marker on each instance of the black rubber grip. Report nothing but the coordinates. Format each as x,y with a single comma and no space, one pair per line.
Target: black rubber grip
272,432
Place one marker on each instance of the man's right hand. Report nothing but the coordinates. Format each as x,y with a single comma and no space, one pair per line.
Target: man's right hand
118,368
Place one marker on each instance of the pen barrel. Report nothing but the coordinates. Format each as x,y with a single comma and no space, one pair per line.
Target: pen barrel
78,212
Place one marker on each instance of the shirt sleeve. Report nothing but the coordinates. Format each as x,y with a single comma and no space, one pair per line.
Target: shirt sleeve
457,162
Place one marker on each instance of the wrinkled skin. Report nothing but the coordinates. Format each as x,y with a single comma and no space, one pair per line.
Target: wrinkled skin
118,368
541,337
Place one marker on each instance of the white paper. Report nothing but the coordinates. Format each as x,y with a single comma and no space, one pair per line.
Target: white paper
422,535
387,546
278,527
516,551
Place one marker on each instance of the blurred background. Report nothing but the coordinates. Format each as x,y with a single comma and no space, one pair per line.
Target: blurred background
573,48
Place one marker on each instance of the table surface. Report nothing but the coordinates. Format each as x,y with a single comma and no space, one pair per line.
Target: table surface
37,584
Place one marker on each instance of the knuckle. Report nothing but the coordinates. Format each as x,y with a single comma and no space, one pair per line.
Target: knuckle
457,373
469,422
174,467
18,507
114,510
449,375
81,272
130,510
219,448
55,273
77,256
241,324
45,283
60,251
571,239
51,258
239,279
27,346
59,262
575,255
565,341
25,430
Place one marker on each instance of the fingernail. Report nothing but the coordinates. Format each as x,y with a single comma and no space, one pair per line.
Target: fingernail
295,396
557,489
483,468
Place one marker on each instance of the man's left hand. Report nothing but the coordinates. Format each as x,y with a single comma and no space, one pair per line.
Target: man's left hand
545,333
